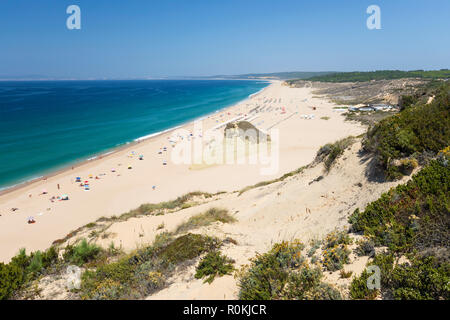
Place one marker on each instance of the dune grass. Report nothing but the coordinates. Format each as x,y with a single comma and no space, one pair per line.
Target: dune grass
265,183
329,153
206,218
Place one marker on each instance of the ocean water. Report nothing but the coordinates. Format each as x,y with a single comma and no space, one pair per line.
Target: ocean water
46,125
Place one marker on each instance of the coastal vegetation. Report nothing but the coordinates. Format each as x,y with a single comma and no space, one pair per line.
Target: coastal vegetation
413,222
421,278
145,271
103,223
335,250
329,153
112,274
417,132
380,75
24,268
212,265
412,216
265,183
81,253
205,219
284,273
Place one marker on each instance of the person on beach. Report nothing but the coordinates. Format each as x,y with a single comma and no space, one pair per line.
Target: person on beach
58,186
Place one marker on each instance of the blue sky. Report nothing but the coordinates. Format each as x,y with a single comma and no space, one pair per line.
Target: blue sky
154,38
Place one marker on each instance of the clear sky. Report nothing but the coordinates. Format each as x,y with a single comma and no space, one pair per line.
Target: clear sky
153,38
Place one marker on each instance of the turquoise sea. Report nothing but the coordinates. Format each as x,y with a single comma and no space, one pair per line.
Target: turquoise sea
46,125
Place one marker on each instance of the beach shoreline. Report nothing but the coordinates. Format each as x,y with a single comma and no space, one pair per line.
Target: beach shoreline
123,147
157,179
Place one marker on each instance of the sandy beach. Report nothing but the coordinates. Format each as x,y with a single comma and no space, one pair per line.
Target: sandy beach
304,122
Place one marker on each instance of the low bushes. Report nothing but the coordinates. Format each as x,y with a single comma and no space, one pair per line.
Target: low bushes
413,221
23,268
366,247
145,271
418,129
335,251
81,253
335,258
212,265
283,273
11,278
407,166
423,278
411,216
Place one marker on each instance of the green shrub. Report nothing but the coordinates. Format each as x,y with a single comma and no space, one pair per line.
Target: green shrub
323,291
212,265
334,258
283,273
334,250
417,129
23,268
336,238
366,247
81,253
408,165
359,289
11,278
411,216
50,257
315,244
36,264
423,278
187,247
